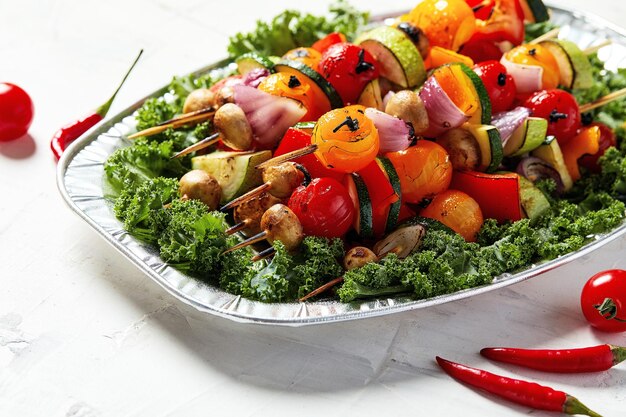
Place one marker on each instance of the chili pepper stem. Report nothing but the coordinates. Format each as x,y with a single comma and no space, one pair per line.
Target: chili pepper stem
619,354
573,406
104,109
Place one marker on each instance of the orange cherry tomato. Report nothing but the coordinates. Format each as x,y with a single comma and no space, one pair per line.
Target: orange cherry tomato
446,23
458,211
292,86
539,56
346,139
424,170
308,56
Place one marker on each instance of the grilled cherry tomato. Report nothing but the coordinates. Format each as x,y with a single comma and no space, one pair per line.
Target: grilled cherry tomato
348,68
323,207
458,211
504,22
603,300
346,139
560,109
500,85
446,23
327,41
481,50
424,170
607,139
16,112
538,56
308,56
298,88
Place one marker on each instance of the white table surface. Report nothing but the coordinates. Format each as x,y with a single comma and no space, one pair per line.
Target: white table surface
84,333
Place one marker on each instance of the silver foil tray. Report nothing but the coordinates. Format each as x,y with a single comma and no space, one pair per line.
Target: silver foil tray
80,179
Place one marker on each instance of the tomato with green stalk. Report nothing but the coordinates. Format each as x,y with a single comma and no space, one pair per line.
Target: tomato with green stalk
603,300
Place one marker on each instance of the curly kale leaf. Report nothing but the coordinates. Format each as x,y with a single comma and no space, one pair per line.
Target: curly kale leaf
292,29
142,210
290,276
129,167
194,238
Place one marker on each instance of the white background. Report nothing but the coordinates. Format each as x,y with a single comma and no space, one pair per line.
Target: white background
84,333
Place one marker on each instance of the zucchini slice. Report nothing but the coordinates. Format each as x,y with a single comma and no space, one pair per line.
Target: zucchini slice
491,152
528,136
575,70
234,171
483,115
322,88
535,11
251,60
399,59
394,180
363,221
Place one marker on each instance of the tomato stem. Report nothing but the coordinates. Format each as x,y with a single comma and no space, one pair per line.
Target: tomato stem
608,310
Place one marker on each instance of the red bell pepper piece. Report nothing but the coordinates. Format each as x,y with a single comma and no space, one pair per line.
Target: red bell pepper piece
295,139
505,23
496,194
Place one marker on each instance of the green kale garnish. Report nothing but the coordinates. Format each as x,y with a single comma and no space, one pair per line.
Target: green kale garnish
292,29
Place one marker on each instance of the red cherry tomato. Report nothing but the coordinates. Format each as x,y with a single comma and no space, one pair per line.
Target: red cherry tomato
607,139
16,112
348,68
481,50
603,300
560,109
323,207
500,85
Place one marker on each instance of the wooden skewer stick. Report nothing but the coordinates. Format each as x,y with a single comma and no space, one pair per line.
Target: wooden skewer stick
548,35
182,120
322,288
603,100
265,253
237,227
596,48
247,196
277,160
253,239
204,143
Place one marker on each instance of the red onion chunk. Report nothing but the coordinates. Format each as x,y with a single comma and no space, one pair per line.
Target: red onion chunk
269,116
443,114
387,97
508,121
535,169
394,133
527,77
255,77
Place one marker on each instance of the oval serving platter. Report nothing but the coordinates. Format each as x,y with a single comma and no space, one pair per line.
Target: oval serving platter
80,178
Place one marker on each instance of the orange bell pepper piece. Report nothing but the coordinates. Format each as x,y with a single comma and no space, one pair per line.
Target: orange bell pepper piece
586,142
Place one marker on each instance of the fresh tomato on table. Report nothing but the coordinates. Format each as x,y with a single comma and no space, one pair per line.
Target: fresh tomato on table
323,207
16,112
603,300
500,85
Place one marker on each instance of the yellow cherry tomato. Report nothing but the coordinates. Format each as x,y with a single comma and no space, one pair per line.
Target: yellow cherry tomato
538,56
346,139
458,211
424,170
446,23
308,56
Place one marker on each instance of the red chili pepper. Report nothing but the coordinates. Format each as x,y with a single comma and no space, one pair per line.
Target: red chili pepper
590,359
526,393
69,133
